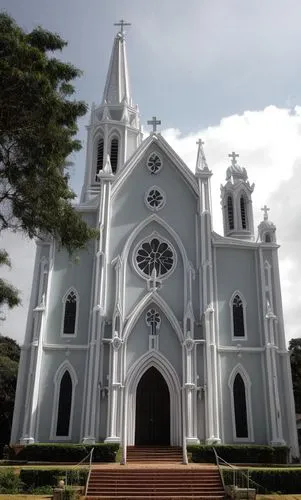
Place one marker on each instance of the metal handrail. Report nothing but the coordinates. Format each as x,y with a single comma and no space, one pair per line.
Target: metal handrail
89,473
236,469
184,444
219,468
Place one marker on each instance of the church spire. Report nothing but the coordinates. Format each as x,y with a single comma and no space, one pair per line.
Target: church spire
117,88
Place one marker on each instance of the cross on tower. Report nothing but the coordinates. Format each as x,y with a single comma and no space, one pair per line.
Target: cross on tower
265,210
233,157
199,142
122,23
154,122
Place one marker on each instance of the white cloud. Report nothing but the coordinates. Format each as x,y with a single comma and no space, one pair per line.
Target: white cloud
269,145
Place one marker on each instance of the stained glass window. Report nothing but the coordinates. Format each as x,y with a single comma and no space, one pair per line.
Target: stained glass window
238,317
154,163
155,199
70,314
155,254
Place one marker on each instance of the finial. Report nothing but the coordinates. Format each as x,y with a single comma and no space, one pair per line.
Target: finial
154,122
201,162
233,157
122,23
265,210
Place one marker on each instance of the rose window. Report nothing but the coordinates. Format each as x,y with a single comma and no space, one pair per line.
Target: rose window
154,163
155,199
155,255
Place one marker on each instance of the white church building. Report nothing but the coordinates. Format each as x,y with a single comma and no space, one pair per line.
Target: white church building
162,331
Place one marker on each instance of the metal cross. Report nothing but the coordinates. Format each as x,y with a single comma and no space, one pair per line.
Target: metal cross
265,210
200,142
154,122
233,156
122,23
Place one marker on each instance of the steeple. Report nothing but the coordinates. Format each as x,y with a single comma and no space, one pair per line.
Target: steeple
266,228
236,200
117,88
114,128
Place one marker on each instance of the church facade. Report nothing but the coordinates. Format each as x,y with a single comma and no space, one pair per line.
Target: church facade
162,331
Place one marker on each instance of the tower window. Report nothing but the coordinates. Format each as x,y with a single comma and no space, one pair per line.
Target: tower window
267,238
238,317
240,407
114,155
70,314
64,406
99,158
230,212
243,212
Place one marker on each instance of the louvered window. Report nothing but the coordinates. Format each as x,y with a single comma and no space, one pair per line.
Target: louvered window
230,212
240,407
64,406
114,155
243,212
99,158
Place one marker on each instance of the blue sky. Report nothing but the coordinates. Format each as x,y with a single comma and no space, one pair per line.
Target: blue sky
228,70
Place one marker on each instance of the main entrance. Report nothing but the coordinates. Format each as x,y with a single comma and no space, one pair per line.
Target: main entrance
152,410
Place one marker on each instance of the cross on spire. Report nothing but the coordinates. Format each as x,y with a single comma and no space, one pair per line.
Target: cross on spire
233,157
199,142
265,210
154,122
122,23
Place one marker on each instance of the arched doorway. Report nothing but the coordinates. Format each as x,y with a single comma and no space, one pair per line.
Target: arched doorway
152,409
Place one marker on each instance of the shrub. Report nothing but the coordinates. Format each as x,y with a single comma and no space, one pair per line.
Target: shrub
57,452
9,481
285,480
37,478
240,453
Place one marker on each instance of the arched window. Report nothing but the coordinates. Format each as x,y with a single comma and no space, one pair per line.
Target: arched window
243,212
114,154
238,317
267,238
240,407
70,312
64,405
99,157
230,212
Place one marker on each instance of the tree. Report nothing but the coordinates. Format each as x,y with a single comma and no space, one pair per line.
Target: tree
9,295
295,352
9,360
38,124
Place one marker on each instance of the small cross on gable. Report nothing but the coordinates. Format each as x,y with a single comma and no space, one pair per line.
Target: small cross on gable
154,122
122,23
265,210
233,157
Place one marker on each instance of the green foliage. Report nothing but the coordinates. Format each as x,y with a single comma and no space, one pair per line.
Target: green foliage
37,134
103,452
9,481
9,359
70,493
235,454
285,480
32,479
295,352
9,295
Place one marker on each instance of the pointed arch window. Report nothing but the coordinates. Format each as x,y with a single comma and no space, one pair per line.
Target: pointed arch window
240,407
238,316
99,157
268,238
230,212
70,313
114,154
64,406
243,212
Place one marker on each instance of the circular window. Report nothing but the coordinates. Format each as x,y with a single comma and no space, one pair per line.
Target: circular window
153,320
155,199
155,254
154,163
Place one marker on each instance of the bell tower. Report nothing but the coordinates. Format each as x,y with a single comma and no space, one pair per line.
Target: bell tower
236,201
114,128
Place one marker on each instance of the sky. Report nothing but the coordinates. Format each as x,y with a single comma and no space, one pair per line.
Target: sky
228,71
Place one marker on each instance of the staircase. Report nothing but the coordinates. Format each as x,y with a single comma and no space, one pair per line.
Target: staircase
154,454
165,482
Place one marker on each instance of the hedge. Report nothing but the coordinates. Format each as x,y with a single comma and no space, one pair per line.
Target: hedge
272,480
57,452
9,481
35,478
237,454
